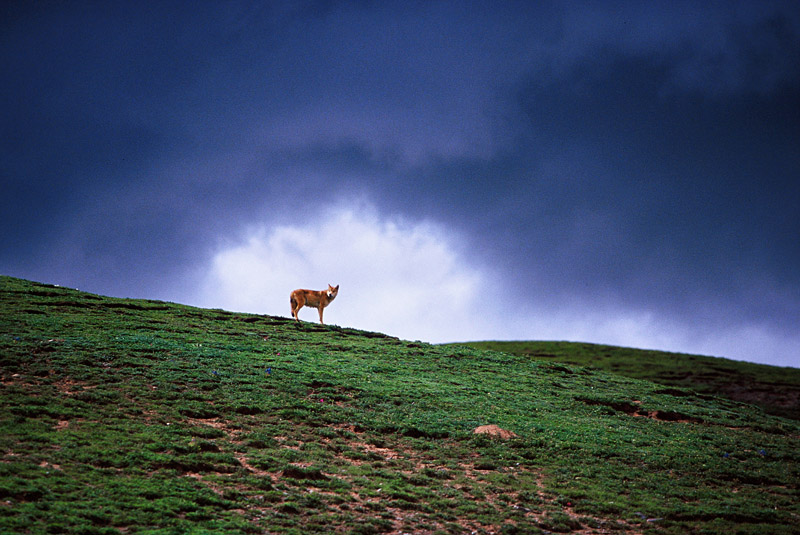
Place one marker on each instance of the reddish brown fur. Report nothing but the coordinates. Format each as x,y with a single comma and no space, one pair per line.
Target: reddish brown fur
312,298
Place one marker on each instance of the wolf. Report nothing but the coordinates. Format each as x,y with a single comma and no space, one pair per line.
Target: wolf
312,298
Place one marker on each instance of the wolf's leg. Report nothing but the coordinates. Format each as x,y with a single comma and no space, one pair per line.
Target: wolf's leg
296,304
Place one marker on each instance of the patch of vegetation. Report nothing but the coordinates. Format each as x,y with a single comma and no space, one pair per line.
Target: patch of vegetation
130,416
774,389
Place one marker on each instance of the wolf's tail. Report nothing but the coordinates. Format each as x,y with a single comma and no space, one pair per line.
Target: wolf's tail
292,303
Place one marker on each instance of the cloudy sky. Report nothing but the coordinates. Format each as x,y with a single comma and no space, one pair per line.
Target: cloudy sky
615,172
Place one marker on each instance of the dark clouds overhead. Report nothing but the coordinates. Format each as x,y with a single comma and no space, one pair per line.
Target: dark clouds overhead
636,158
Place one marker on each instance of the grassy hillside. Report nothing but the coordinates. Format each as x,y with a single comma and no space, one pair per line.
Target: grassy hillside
124,416
774,389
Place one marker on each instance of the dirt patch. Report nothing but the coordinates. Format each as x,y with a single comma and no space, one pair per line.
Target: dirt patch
781,399
216,489
384,453
71,387
216,423
49,466
633,408
252,469
61,425
303,471
12,380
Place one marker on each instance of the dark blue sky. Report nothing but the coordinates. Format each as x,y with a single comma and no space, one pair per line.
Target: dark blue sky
621,172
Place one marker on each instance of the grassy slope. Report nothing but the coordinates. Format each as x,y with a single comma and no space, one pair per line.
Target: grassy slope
123,416
774,389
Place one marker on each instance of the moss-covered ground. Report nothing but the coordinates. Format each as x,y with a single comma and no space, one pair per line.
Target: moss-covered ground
131,416
775,389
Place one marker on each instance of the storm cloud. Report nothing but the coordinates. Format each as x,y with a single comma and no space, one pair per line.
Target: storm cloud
612,172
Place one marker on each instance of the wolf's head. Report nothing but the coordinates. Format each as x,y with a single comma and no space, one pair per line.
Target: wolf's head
331,291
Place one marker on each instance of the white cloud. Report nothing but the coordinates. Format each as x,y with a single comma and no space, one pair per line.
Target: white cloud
419,281
407,279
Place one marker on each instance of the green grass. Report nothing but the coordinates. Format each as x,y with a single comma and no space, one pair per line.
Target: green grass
774,389
131,416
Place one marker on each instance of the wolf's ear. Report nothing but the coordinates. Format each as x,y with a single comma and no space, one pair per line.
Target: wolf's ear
337,287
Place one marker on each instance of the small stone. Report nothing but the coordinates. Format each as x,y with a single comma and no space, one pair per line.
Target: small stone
495,431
